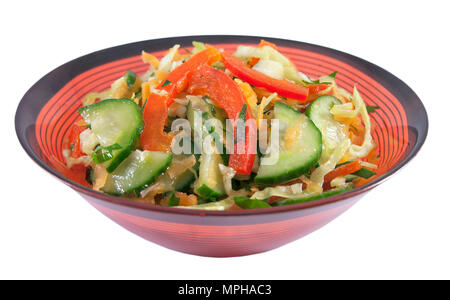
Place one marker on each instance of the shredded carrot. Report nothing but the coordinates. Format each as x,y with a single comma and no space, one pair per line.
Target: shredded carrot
81,123
235,207
343,170
373,156
145,88
262,92
248,92
253,61
355,128
263,43
347,156
161,75
185,199
150,59
361,181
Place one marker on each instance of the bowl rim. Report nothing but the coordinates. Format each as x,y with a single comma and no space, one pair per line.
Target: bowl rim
199,212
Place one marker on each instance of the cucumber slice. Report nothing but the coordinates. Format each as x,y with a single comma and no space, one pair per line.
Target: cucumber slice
184,180
300,147
137,172
210,181
115,121
319,110
205,109
313,197
333,133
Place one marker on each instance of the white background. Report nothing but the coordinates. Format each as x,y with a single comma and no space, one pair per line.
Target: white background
399,230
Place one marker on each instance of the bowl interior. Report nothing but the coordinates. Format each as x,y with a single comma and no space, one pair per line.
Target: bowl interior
48,110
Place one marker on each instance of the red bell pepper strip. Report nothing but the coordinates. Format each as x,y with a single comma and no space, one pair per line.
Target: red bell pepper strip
317,88
155,112
153,138
177,80
281,87
74,141
227,95
77,172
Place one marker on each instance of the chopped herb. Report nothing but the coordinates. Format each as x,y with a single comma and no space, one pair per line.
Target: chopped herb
240,132
143,106
90,178
371,109
213,110
247,203
167,82
243,113
207,99
344,163
210,128
173,200
354,128
102,153
153,74
364,173
205,200
130,78
108,148
333,75
315,82
205,115
187,50
137,94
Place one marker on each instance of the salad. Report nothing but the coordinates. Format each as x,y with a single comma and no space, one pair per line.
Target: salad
206,129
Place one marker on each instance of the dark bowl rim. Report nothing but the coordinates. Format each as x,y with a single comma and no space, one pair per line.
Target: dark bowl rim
181,211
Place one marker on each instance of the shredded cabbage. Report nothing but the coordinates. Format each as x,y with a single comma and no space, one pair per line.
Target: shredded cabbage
88,141
227,174
270,68
368,165
368,143
156,188
333,134
175,64
269,53
179,166
158,91
344,110
338,182
286,191
217,205
166,61
303,77
264,102
100,176
319,173
70,161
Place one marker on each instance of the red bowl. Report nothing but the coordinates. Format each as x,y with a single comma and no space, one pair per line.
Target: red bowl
48,109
